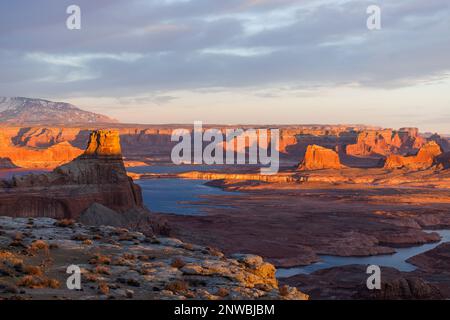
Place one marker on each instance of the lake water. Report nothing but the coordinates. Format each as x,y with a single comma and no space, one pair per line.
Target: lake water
397,260
173,196
174,168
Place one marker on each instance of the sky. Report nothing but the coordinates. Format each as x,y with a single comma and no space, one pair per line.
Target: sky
234,61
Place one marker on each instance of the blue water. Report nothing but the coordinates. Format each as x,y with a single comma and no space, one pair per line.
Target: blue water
397,260
172,196
174,168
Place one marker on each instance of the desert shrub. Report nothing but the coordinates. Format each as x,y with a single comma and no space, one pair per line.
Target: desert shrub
223,292
65,223
90,277
284,290
38,282
38,245
33,270
129,256
102,270
178,263
100,259
177,286
87,242
103,288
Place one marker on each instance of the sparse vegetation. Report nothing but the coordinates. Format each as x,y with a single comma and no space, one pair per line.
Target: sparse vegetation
103,288
177,286
38,282
100,259
65,223
38,245
178,263
223,292
33,270
102,270
284,290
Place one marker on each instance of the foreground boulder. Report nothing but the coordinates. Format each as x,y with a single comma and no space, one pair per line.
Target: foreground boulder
424,159
317,157
97,176
120,264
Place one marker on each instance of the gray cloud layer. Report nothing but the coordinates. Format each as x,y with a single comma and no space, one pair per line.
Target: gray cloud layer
136,46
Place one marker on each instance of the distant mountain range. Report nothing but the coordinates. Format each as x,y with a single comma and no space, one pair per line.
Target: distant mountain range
21,111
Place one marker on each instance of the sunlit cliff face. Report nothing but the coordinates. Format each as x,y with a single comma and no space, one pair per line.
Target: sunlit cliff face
104,143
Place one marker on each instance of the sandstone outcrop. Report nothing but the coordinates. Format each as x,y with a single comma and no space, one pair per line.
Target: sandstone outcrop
386,142
317,157
444,143
143,142
117,263
51,157
349,282
424,159
97,176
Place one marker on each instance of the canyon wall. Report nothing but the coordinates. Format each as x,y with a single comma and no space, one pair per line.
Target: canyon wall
424,159
140,142
49,147
25,157
386,142
96,176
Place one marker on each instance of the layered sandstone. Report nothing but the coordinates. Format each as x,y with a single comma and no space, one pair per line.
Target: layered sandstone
139,142
317,157
386,142
442,142
97,176
25,157
424,159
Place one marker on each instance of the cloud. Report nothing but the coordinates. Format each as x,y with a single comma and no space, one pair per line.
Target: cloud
132,47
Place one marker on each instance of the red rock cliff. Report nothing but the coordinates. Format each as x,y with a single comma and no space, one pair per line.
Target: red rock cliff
97,176
425,158
386,142
317,157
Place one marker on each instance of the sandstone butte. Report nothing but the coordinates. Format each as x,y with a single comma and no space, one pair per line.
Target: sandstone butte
95,181
424,159
385,142
317,157
26,157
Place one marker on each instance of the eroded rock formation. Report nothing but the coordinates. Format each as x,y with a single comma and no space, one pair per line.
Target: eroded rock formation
97,176
317,157
349,282
386,142
442,142
424,159
51,157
